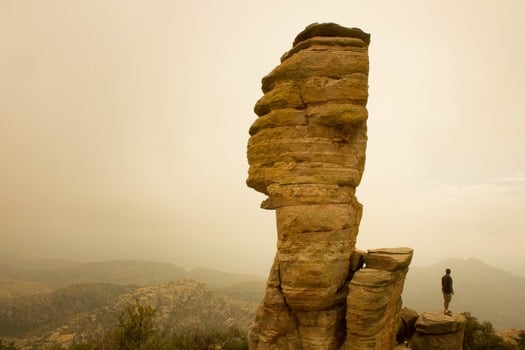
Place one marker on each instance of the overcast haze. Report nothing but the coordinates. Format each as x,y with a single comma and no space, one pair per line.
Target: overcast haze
124,124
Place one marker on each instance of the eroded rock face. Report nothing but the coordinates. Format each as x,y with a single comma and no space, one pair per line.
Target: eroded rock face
307,154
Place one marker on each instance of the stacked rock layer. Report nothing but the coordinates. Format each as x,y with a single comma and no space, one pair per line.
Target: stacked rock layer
307,154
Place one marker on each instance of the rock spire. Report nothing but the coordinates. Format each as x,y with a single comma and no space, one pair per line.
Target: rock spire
307,154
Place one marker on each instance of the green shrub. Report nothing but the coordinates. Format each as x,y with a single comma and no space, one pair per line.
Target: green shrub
135,327
481,336
229,339
4,346
521,341
136,331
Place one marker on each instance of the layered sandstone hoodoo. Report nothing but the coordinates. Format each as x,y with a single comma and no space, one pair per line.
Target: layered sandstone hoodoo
307,154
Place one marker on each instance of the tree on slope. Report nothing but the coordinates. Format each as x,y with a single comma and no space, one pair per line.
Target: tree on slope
481,336
135,327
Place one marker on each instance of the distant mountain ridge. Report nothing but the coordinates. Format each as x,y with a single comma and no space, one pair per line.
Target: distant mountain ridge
125,272
488,293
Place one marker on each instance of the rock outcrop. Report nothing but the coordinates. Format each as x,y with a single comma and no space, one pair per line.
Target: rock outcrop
435,330
307,154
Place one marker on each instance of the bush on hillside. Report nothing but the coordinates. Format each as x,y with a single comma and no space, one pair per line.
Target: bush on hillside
136,331
521,341
482,336
4,346
135,327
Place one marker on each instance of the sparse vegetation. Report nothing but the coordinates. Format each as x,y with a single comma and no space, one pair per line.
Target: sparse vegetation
135,327
481,336
521,340
136,331
4,346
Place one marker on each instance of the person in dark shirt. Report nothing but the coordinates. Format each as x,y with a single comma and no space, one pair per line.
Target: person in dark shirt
447,289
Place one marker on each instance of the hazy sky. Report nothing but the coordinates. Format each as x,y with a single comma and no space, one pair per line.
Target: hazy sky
123,127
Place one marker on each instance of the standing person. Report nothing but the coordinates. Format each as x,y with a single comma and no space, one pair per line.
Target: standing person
448,290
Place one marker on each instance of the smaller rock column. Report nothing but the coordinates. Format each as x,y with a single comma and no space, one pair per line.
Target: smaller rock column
374,299
435,330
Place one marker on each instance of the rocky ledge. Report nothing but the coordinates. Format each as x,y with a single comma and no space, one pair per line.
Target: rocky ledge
436,330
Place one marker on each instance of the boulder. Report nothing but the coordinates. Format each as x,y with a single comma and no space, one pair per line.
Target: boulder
438,322
435,330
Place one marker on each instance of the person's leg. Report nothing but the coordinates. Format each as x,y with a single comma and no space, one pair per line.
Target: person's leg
446,297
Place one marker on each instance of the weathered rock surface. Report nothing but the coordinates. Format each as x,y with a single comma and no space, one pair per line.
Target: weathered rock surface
307,154
435,330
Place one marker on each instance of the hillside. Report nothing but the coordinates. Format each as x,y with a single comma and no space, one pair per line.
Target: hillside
33,314
247,290
218,279
486,292
180,305
12,288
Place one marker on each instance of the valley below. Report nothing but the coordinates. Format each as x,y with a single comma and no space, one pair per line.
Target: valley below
74,303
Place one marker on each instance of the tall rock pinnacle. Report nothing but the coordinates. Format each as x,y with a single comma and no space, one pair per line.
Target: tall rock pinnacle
307,154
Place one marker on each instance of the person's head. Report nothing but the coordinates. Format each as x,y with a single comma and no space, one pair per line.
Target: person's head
447,271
